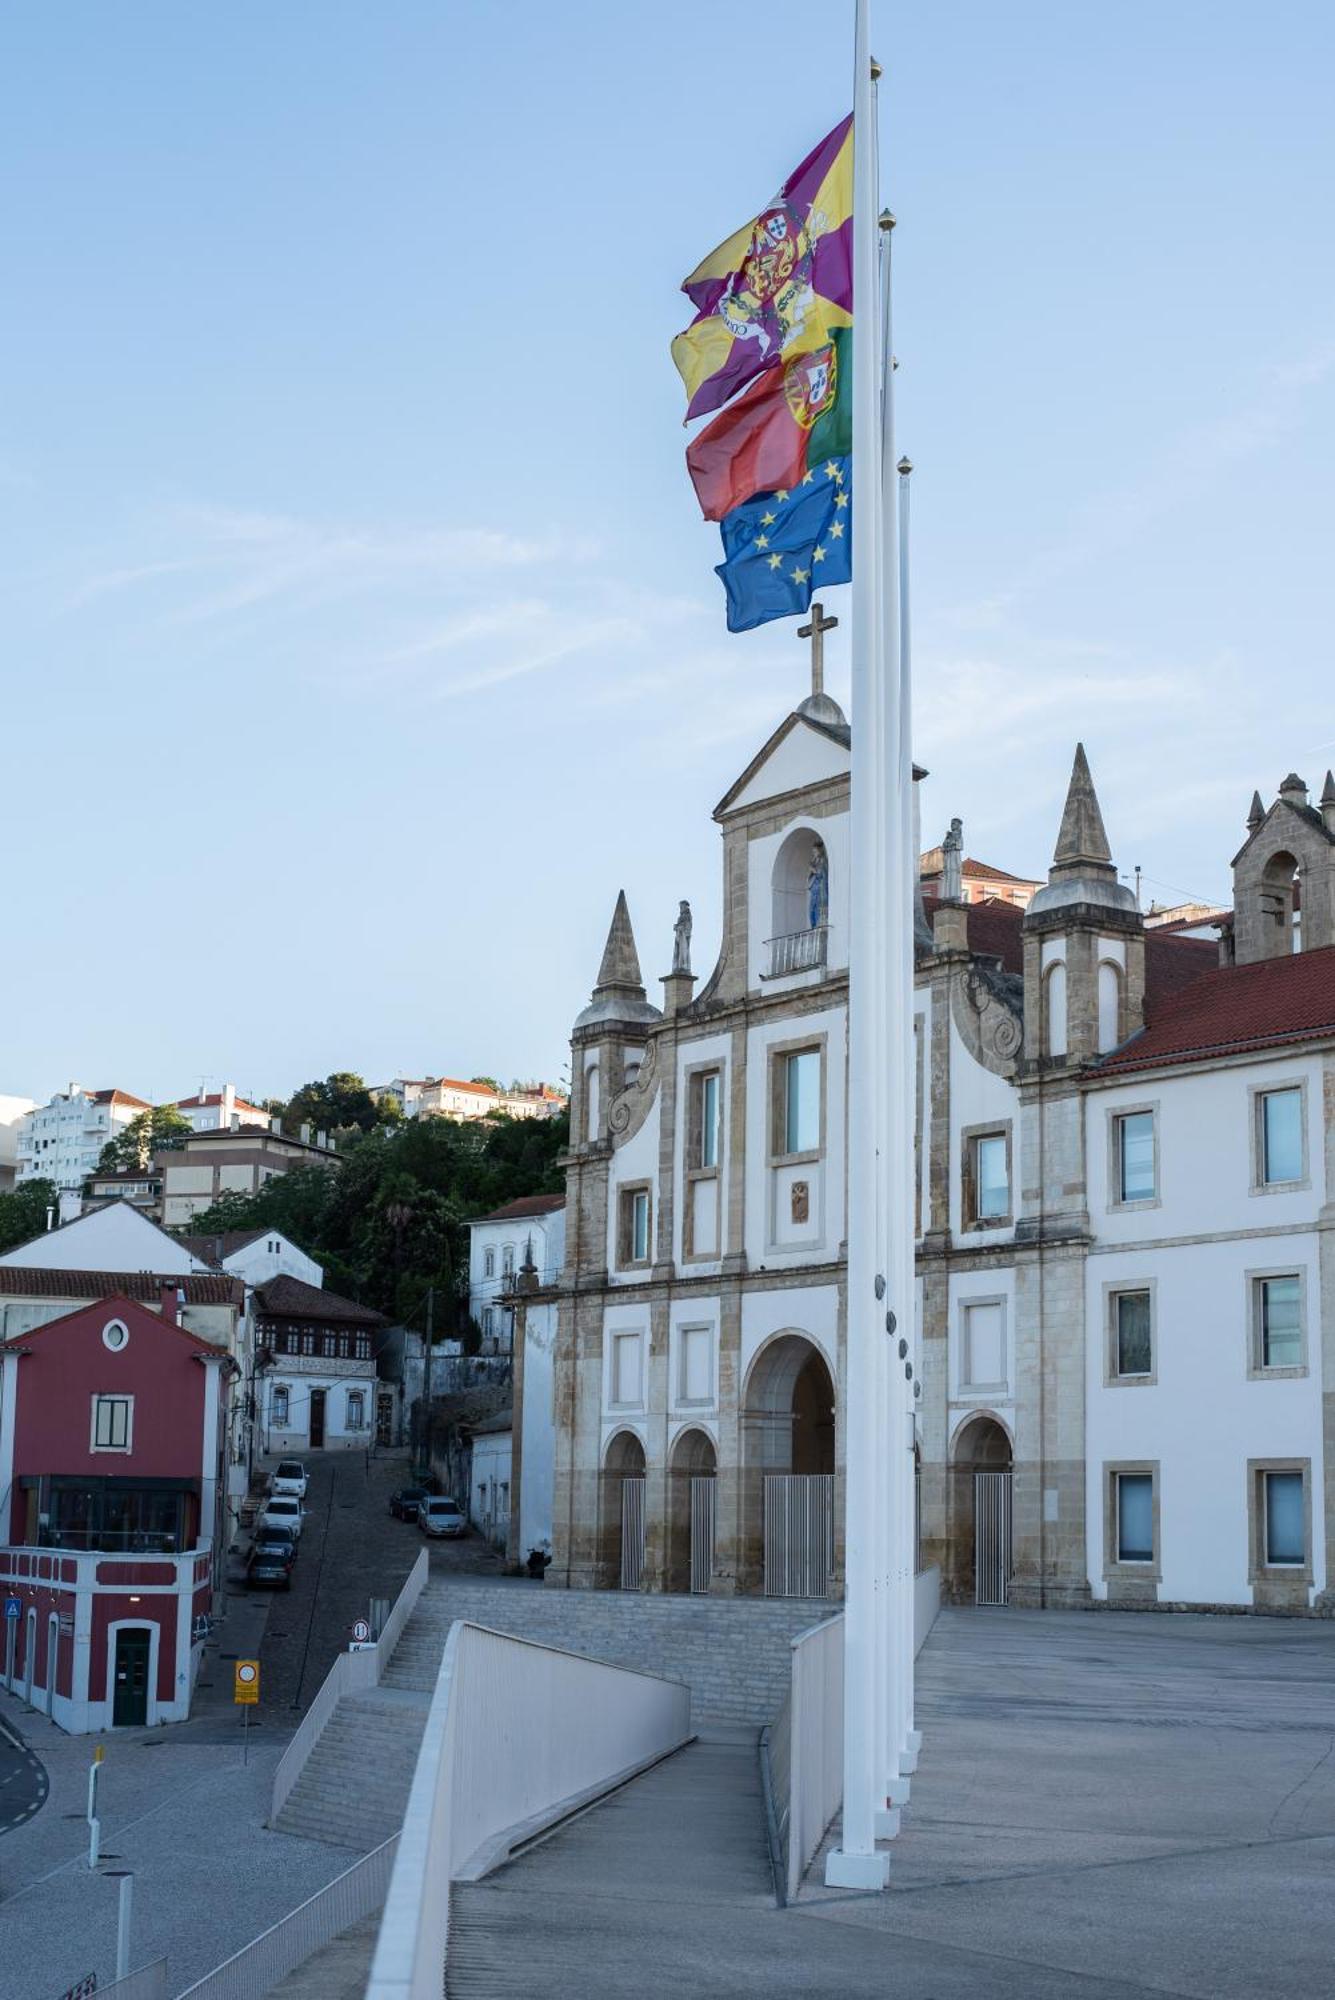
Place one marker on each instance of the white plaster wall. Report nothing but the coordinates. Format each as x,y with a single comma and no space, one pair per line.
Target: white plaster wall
760,858
923,1098
811,1310
1202,1420
548,1234
538,1479
491,1468
807,756
828,1176
257,1263
115,1238
628,1318
635,1161
1205,1153
694,1055
977,1097
692,1312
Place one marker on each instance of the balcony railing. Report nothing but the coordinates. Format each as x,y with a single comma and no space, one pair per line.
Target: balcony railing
111,1541
799,951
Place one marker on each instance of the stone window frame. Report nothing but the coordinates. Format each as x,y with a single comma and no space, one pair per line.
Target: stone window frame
1115,1114
680,1400
637,1334
1256,1368
964,1384
626,1193
995,1128
1256,1092
284,1390
691,1172
1114,1289
1277,1586
1116,1569
777,1055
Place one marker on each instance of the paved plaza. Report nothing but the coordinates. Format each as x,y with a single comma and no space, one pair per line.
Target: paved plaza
1108,1806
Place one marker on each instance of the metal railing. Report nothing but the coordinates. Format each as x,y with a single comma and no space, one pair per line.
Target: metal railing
798,951
148,1983
350,1674
799,1534
257,1968
518,1736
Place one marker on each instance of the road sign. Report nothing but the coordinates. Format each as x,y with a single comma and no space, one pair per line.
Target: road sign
246,1682
13,1607
361,1631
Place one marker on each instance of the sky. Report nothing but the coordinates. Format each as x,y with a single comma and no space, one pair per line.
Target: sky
358,632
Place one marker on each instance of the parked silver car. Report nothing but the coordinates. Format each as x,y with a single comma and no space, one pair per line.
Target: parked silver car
439,1516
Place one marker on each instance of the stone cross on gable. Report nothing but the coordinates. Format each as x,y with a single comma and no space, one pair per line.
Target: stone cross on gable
816,631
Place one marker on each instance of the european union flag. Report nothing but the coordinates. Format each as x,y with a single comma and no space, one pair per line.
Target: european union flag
780,547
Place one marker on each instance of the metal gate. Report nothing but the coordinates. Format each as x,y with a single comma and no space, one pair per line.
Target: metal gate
799,1534
704,1488
632,1533
991,1536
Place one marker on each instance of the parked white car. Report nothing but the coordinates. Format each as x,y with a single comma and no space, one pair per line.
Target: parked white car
289,1476
282,1510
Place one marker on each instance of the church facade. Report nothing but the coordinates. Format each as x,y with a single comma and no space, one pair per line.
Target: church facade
1125,1162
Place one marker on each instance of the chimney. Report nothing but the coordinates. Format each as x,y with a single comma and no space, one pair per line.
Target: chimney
306,1135
228,1118
169,1302
276,1122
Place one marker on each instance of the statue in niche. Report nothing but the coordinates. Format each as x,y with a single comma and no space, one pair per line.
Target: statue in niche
818,886
681,939
952,864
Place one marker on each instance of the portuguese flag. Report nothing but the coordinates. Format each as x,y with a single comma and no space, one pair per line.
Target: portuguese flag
792,419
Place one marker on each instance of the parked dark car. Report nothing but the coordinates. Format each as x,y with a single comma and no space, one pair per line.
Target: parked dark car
270,1560
404,1504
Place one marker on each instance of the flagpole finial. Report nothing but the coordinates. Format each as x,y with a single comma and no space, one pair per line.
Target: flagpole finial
887,219
876,71
905,467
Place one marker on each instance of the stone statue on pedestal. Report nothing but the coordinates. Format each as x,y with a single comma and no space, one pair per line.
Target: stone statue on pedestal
681,939
952,864
818,886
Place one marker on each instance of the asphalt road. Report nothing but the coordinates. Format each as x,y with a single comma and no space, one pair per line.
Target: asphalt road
23,1782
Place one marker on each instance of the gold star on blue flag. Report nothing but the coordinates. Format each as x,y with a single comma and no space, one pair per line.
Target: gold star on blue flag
779,546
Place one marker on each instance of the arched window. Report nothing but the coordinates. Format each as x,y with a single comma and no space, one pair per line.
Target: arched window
279,1405
1110,1006
508,1261
1281,897
591,1101
1054,1010
489,1263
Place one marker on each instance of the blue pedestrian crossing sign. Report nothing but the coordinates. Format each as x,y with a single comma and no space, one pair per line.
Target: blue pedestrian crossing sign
13,1607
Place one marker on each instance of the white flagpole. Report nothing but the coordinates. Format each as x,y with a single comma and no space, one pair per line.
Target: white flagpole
911,1741
857,1863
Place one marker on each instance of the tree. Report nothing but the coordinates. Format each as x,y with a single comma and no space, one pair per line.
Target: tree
489,1081
148,1132
341,1103
23,1211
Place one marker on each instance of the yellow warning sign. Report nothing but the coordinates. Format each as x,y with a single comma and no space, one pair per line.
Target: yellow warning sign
246,1682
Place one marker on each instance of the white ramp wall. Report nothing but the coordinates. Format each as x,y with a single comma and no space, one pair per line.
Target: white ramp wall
518,1735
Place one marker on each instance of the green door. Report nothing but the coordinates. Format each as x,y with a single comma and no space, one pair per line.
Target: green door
129,1705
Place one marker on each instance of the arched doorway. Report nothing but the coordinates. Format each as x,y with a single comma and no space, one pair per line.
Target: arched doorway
980,1527
788,1483
621,1522
692,1493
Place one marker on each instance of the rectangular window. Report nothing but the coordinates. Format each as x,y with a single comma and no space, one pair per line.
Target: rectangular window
992,1190
1281,1136
1135,1517
633,1226
1285,1518
1279,1302
1135,1156
707,1120
356,1410
1132,1333
626,1385
696,1379
280,1405
112,1422
983,1356
801,1102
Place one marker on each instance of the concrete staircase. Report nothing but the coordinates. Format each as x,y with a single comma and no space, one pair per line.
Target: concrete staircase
733,1652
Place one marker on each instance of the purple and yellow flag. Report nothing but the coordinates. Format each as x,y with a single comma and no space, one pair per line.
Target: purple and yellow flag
780,286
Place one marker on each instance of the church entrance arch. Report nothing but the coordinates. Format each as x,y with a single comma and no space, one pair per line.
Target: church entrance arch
980,1526
788,1469
621,1514
692,1492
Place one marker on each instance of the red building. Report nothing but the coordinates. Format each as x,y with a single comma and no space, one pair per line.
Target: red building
111,1476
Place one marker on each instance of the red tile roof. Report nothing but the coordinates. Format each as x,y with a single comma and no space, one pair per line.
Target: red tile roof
119,1097
201,1288
1234,1009
215,1097
527,1204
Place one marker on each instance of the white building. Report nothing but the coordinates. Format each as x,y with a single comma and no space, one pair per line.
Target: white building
316,1373
221,1111
1125,1168
451,1097
62,1141
12,1112
514,1263
255,1256
489,1491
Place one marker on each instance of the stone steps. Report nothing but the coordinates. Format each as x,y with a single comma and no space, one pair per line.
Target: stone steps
356,1782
